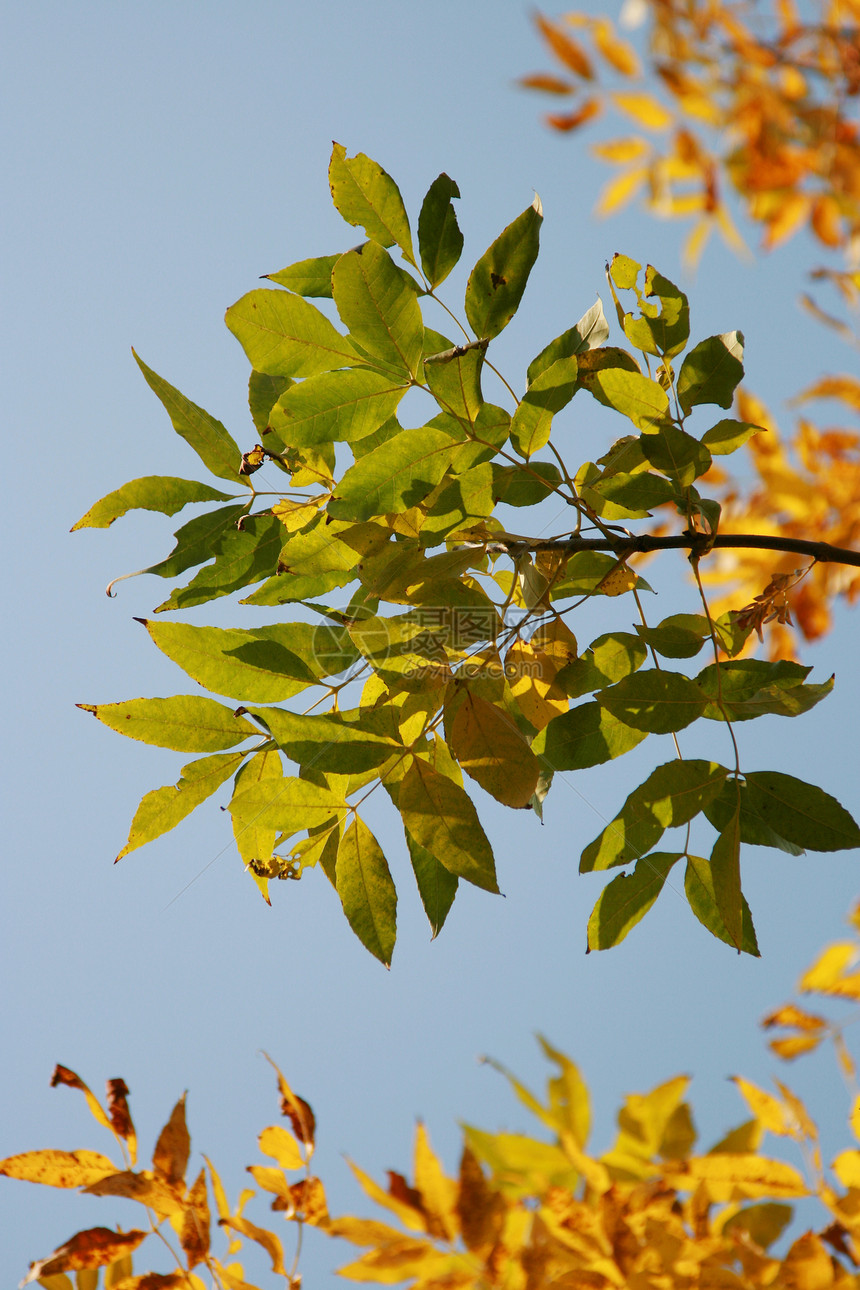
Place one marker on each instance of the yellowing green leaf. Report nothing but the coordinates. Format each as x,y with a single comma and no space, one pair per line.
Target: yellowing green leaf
712,371
627,899
210,440
587,735
396,475
441,818
186,722
335,406
152,493
379,307
164,808
700,891
367,196
654,701
550,391
497,282
283,335
366,890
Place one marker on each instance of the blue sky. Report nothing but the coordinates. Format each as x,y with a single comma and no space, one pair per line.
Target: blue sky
158,159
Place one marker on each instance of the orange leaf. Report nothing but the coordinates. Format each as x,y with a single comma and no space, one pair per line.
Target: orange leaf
573,120
567,50
94,1248
547,82
194,1234
794,1046
262,1236
120,1115
170,1157
827,220
790,1015
299,1111
617,52
645,109
62,1075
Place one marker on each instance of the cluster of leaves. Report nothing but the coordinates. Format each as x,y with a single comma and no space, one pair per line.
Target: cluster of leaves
465,656
522,1211
759,103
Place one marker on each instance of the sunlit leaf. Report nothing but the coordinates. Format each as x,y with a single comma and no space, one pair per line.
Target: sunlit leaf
185,722
498,280
711,372
441,818
58,1168
627,899
152,493
164,808
654,701
379,308
307,277
367,196
283,335
210,440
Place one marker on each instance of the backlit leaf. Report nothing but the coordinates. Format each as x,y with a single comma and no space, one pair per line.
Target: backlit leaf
441,818
331,743
250,665
701,895
243,556
94,1248
152,493
288,805
551,390
671,795
726,878
587,735
379,308
633,395
439,238
278,1143
676,453
367,196
214,446
164,808
307,277
655,701
335,406
591,330
185,722
728,435
627,899
800,812
283,335
490,748
396,475
711,372
498,280
437,886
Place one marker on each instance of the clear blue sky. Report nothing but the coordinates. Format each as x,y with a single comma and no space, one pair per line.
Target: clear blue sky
157,160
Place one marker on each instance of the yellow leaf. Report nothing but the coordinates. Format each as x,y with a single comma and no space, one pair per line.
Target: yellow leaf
846,1061
94,1248
490,748
281,1146
695,242
567,50
408,1216
438,1193
617,52
617,582
58,1168
790,1015
846,1166
262,1236
619,151
619,191
399,1261
531,675
732,1177
645,109
157,1194
270,1179
170,1157
768,1110
363,1231
808,1265
784,218
827,974
794,1046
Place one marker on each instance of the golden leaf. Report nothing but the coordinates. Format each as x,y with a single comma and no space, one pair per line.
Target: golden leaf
281,1146
170,1157
58,1168
645,109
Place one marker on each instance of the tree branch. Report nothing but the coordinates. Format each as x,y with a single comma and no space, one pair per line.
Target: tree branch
630,543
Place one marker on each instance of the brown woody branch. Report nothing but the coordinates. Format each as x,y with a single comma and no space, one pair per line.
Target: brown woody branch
629,544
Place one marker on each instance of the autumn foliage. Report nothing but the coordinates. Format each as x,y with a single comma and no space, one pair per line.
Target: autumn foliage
522,1212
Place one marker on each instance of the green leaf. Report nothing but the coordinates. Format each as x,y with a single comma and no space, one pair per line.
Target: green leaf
366,890
287,805
754,830
525,486
726,878
800,812
331,743
185,722
753,688
671,795
633,495
379,307
396,475
439,238
367,197
699,889
453,374
250,665
712,371
198,540
151,493
243,556
498,280
591,330
214,446
307,277
164,808
678,636
655,701
675,453
627,899
263,393
335,406
729,435
464,500
588,735
630,393
440,817
550,391
665,330
608,659
283,335
437,886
